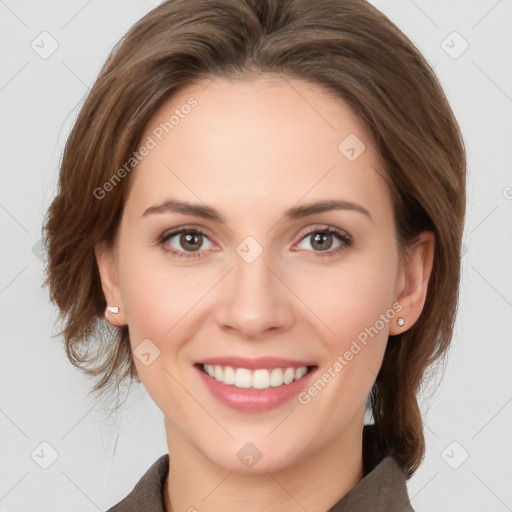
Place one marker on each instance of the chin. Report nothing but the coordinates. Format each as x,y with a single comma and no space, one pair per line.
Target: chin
252,457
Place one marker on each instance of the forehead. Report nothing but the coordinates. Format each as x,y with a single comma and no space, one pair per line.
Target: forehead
256,141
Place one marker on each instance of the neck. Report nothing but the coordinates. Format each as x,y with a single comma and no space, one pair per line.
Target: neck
314,483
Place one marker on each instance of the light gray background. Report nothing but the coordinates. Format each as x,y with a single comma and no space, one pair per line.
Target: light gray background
43,399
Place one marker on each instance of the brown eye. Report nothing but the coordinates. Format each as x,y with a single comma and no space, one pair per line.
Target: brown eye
322,240
183,241
191,241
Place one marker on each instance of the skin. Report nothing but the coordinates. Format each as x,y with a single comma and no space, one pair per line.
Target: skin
251,149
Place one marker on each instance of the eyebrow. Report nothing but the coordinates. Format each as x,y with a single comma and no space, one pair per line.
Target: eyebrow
296,212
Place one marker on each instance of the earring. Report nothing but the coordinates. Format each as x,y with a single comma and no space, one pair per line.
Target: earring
113,309
400,322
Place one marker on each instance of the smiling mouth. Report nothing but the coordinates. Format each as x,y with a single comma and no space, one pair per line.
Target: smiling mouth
259,379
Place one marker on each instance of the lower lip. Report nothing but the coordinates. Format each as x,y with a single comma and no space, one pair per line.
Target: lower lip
254,400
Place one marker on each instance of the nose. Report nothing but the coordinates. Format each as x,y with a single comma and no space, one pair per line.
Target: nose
255,300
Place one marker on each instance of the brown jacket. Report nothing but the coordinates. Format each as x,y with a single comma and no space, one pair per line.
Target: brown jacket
382,489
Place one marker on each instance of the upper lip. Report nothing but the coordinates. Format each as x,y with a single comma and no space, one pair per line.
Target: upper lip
257,363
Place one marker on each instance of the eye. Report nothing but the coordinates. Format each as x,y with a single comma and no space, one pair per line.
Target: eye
184,242
188,242
322,242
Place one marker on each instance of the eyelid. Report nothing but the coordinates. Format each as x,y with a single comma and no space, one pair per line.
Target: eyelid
323,227
186,227
305,232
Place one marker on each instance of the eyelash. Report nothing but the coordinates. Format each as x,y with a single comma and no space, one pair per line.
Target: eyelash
342,236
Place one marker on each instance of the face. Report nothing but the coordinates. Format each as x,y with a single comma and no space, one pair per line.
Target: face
252,280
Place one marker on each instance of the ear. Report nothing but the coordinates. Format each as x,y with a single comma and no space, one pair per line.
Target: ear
106,259
413,280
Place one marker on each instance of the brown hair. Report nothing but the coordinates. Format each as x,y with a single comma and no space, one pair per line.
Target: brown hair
346,46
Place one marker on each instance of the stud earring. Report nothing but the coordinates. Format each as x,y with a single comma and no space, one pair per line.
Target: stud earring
400,322
113,309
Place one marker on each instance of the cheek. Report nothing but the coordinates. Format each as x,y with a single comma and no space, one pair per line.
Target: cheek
357,310
159,306
355,306
352,298
155,299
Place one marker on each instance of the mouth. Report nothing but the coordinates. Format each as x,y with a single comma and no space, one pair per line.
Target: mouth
256,379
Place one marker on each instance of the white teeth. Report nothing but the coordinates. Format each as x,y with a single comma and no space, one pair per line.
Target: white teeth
288,375
257,379
276,377
229,375
300,372
260,379
243,377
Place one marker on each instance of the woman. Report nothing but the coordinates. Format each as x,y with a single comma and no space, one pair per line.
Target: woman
266,200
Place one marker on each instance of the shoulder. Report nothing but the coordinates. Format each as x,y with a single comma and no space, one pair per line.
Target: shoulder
383,487
381,490
148,492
